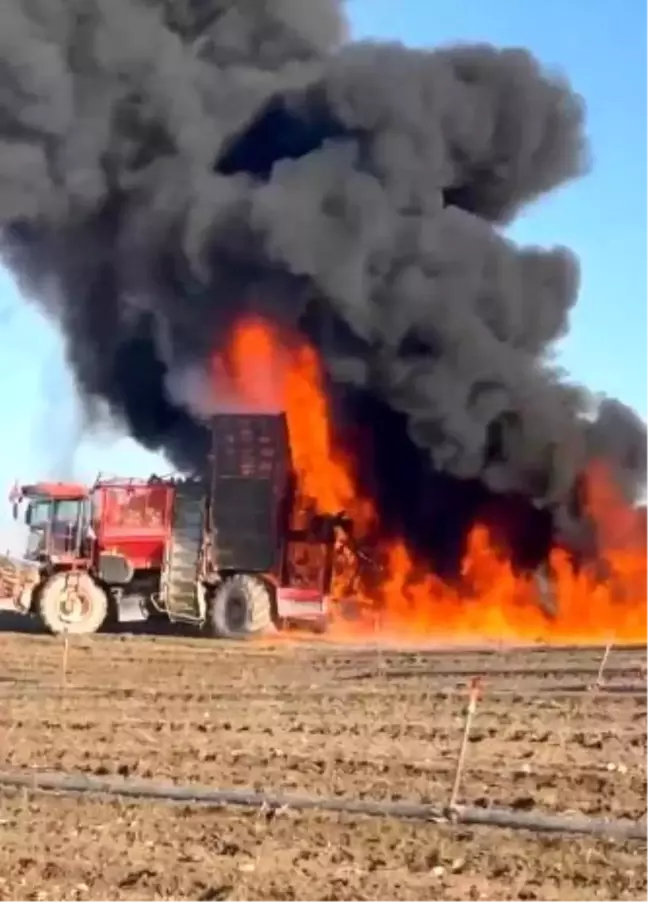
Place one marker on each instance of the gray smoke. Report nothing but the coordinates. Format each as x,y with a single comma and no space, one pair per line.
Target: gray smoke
167,165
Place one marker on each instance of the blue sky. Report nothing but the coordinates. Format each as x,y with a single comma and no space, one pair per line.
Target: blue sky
601,47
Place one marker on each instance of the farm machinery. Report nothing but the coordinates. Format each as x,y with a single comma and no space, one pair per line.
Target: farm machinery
230,549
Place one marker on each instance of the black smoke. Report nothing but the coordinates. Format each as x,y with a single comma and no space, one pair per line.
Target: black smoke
167,165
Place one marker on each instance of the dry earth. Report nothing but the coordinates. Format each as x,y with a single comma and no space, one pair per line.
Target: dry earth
323,720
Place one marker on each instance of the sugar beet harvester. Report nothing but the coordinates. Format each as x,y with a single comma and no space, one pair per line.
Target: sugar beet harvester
216,551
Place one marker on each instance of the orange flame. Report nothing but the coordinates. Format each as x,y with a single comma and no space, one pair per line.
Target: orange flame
268,373
270,370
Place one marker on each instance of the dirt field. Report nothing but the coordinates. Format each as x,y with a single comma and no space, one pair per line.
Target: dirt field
322,720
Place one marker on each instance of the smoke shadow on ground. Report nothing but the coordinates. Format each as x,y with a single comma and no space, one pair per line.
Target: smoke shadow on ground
12,621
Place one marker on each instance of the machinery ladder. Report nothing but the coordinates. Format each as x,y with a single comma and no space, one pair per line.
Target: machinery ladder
180,591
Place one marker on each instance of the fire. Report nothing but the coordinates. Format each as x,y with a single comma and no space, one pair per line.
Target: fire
272,371
269,373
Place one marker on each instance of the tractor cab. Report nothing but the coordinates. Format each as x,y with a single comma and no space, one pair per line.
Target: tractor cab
57,518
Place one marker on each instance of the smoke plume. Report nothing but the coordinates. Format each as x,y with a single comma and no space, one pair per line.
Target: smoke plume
167,165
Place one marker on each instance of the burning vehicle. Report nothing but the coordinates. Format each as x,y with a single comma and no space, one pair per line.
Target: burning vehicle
220,551
230,208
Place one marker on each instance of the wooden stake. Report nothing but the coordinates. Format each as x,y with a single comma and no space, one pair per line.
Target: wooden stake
64,659
475,691
598,683
377,626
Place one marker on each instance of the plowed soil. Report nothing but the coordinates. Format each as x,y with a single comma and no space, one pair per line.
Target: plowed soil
324,720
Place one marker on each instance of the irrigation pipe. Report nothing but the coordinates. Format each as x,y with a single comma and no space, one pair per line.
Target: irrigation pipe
17,690
491,672
493,817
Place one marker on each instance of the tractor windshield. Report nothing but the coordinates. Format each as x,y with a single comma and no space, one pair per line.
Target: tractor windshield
55,526
39,513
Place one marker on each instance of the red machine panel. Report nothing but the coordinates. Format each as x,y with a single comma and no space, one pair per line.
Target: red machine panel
132,518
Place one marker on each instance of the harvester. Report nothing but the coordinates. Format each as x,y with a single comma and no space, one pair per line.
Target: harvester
220,550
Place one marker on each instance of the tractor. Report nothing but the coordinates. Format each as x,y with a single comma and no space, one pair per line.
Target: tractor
232,549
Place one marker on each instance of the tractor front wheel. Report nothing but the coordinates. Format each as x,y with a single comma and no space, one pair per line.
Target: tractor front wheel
72,603
241,607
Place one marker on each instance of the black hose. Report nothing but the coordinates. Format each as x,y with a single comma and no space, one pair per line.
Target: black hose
494,817
490,672
25,688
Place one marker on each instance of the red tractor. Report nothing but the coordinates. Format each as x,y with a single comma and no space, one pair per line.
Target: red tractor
227,549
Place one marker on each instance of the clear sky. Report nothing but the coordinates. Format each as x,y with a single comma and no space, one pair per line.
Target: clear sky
600,46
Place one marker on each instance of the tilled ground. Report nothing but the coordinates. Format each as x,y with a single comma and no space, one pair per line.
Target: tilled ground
322,720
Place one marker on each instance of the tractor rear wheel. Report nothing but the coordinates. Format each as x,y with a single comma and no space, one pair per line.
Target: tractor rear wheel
72,603
241,607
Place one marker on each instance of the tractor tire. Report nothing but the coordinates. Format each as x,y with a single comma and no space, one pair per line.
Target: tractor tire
240,608
72,603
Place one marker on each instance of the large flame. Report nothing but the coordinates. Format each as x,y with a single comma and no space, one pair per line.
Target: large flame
269,370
